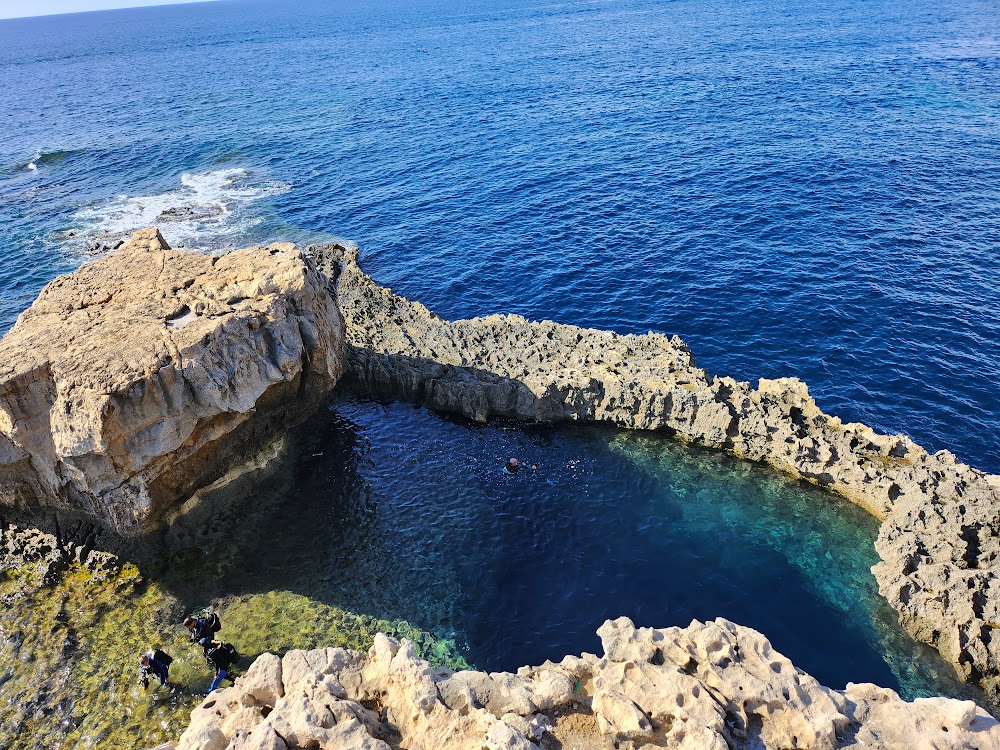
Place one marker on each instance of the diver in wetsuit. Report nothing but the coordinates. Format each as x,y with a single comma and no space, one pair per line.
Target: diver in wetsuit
221,656
203,629
157,664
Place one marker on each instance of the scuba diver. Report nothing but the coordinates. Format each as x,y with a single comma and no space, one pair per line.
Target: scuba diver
156,663
203,628
222,657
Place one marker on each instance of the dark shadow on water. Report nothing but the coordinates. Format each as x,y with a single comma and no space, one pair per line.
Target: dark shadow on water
394,512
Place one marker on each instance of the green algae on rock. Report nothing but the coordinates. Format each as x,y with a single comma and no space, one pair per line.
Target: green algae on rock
939,543
69,657
69,654
280,621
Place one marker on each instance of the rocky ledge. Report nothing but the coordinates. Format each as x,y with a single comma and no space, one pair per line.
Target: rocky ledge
45,556
150,373
710,686
940,537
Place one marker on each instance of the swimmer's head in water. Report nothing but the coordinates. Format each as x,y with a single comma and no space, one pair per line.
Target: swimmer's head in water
513,465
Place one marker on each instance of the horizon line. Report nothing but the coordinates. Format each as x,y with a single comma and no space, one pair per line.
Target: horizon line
126,6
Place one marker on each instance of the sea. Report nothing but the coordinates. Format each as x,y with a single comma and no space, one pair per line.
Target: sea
807,189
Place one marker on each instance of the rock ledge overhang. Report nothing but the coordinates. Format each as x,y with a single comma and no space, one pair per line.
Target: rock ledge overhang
149,373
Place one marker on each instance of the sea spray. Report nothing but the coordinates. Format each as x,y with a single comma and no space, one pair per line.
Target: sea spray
211,209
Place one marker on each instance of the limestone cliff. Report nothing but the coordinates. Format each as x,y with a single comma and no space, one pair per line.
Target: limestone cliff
148,374
710,686
940,539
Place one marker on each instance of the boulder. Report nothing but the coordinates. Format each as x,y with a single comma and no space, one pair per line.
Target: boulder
925,724
148,374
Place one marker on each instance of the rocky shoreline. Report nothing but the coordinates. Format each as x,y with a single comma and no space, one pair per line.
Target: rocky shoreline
153,375
46,556
147,375
710,686
940,534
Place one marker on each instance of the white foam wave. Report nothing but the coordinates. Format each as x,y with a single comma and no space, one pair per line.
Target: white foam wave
31,166
210,210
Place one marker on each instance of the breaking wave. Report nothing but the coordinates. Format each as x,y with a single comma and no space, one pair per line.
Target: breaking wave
44,158
210,210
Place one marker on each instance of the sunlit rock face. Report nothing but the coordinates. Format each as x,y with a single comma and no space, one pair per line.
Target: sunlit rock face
148,374
710,686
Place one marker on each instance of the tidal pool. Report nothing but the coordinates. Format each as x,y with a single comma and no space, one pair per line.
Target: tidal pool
403,514
390,517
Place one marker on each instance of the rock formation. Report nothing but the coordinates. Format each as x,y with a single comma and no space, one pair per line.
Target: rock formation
148,374
46,556
940,539
710,686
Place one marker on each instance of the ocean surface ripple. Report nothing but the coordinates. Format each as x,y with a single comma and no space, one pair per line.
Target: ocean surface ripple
804,189
808,189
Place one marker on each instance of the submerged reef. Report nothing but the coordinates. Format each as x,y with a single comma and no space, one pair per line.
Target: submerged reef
71,636
940,538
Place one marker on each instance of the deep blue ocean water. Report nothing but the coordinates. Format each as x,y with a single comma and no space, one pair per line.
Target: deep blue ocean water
808,189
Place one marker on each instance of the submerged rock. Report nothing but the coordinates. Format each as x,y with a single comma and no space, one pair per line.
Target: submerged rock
940,537
148,374
47,556
710,686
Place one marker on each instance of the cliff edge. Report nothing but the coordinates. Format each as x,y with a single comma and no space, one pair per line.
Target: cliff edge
940,537
710,686
149,373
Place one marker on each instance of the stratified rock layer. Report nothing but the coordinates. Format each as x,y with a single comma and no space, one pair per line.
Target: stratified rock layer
148,374
940,540
710,686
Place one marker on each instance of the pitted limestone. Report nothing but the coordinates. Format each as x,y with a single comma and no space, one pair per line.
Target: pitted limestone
710,686
940,540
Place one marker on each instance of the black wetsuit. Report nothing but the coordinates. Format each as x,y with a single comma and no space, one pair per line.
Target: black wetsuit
156,668
219,658
202,629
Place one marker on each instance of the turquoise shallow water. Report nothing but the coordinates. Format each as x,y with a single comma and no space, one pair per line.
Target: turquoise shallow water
403,514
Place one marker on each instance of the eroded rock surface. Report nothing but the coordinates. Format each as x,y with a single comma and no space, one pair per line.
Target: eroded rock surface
149,373
710,686
940,540
46,556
